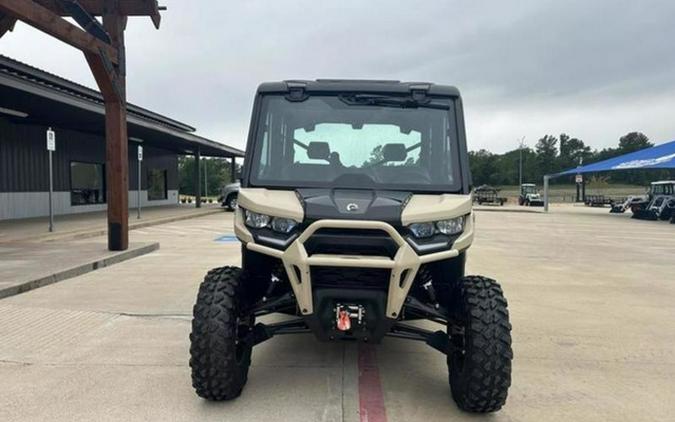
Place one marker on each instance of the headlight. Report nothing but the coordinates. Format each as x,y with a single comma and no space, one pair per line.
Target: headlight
278,224
257,221
283,225
422,229
448,227
451,226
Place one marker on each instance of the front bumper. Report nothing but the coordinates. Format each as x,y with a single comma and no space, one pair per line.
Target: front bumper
403,267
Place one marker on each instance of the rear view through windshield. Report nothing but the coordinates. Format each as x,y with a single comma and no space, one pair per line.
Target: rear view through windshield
356,141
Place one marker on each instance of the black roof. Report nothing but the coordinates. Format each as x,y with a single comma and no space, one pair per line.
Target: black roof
37,92
359,85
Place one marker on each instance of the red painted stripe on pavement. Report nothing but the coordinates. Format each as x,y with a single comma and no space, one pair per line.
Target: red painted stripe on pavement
371,398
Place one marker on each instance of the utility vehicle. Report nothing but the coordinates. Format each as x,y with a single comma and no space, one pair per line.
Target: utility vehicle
530,196
630,203
656,203
355,218
228,198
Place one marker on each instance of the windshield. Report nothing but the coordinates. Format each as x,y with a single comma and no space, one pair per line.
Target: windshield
529,189
662,189
356,141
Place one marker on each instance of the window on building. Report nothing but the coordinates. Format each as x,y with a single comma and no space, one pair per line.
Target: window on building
157,187
87,183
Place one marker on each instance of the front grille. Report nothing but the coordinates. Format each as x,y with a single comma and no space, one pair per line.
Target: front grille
350,278
365,242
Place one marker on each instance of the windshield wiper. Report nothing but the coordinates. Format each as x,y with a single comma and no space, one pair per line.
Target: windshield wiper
390,101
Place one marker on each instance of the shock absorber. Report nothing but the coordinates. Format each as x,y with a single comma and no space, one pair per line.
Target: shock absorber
274,280
425,280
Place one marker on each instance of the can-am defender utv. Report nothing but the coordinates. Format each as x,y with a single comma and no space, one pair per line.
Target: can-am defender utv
355,217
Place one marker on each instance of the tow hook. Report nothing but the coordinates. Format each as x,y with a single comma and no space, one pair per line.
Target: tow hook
345,313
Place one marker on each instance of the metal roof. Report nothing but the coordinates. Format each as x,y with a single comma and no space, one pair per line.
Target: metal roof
657,157
169,133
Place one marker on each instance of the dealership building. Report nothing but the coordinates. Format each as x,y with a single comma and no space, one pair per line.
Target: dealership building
32,101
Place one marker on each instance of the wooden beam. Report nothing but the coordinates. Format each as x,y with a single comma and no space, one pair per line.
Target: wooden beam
6,24
45,20
98,7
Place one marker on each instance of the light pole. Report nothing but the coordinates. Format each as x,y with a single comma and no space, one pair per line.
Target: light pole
520,162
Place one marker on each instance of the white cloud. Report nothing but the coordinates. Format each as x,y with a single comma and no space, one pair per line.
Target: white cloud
593,70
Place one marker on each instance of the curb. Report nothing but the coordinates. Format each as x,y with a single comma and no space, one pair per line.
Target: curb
78,270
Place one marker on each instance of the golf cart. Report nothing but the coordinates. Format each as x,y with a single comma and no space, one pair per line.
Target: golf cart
657,205
485,194
355,216
530,196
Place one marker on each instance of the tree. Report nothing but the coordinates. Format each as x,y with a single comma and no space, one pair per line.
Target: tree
572,151
633,141
217,171
547,152
483,166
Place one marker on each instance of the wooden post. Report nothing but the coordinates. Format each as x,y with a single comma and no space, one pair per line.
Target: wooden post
233,169
198,179
116,137
108,65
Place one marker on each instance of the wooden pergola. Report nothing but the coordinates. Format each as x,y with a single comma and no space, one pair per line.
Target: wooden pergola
103,48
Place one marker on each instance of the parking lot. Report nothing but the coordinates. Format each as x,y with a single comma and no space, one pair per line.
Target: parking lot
591,296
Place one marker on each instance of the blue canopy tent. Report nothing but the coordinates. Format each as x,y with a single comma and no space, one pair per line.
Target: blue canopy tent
656,157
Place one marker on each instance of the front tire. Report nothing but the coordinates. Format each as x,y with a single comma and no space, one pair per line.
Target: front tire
479,363
231,202
219,355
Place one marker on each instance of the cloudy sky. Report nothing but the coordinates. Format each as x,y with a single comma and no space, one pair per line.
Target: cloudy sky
594,70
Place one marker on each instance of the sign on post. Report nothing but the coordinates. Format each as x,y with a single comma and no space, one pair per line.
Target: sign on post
51,147
138,192
579,178
51,140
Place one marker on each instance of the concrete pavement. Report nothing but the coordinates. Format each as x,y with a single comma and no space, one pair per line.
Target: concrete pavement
25,266
591,298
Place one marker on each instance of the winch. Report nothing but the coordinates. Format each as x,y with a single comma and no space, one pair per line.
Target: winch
344,314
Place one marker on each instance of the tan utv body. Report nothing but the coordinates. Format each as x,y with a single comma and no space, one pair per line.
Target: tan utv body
420,208
355,215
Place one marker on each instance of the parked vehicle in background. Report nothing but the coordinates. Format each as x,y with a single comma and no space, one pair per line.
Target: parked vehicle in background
630,203
486,194
530,196
230,195
601,201
657,205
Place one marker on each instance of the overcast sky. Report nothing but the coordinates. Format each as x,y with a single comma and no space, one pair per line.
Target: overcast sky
593,69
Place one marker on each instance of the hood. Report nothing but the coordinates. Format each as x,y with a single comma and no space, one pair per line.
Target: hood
353,204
